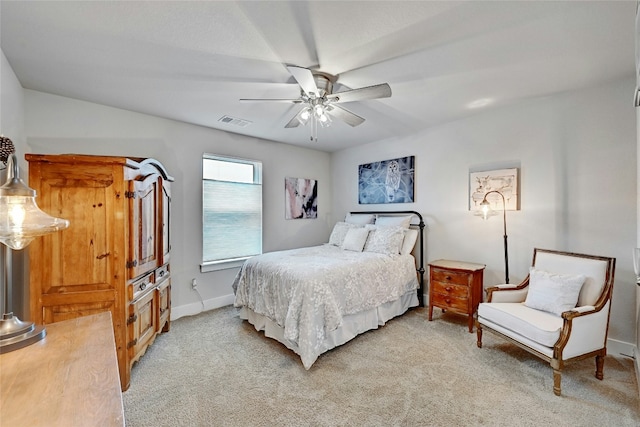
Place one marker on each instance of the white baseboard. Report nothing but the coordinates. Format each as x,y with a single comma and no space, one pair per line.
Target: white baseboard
620,348
199,307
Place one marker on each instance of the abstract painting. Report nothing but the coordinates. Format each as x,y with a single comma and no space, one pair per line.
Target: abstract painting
503,180
388,181
301,198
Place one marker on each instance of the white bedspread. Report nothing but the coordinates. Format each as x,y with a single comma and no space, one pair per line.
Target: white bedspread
307,291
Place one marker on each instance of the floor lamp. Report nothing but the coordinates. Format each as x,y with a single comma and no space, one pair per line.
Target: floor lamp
486,210
21,221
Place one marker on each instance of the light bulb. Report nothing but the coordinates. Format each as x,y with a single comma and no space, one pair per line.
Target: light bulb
16,217
319,111
305,114
323,118
485,209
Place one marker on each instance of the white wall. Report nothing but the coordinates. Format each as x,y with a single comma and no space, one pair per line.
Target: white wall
11,104
12,126
577,158
56,125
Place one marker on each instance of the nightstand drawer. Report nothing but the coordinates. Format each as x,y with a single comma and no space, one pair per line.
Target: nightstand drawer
448,276
451,290
450,302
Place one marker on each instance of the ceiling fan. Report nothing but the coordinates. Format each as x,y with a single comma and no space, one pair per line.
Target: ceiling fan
320,103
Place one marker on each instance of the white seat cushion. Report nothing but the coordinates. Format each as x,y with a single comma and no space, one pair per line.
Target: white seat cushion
536,325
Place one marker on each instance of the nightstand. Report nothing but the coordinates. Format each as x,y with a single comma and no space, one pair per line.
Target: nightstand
455,286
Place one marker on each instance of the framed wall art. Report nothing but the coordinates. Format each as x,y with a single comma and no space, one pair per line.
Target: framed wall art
388,181
301,198
503,180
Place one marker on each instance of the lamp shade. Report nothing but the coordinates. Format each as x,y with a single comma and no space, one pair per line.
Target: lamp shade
20,218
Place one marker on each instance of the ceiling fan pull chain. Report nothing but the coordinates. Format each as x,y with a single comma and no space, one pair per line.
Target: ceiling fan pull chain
314,129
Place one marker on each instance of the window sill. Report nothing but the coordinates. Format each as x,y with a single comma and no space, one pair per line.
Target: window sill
207,267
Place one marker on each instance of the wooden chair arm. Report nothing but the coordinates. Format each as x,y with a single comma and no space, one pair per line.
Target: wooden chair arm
581,325
580,311
506,288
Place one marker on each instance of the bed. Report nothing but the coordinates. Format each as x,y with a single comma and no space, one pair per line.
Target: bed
317,298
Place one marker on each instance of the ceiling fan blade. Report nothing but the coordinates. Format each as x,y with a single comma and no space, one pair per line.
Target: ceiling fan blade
291,101
370,92
345,115
305,79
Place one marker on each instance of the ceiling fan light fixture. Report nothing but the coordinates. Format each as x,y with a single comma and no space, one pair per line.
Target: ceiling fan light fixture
304,116
325,120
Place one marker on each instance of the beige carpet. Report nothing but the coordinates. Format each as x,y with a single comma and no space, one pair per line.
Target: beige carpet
216,370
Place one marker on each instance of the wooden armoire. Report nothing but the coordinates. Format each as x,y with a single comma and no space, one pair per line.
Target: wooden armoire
115,254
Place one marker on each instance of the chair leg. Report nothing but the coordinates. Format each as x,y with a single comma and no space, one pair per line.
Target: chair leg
479,334
599,366
557,377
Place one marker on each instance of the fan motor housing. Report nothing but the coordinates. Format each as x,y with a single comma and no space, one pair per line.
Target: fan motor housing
324,82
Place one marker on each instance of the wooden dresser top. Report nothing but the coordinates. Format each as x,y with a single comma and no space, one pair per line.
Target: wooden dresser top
457,265
70,378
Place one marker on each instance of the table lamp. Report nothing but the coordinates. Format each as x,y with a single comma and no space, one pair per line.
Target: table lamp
21,221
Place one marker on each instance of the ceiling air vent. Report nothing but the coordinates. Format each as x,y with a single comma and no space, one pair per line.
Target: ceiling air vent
233,121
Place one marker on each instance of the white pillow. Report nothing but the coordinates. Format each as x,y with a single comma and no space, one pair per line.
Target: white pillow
384,240
400,221
410,237
339,232
554,293
359,219
355,239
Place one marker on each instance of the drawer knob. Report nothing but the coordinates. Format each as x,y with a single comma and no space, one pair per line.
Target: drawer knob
448,277
448,289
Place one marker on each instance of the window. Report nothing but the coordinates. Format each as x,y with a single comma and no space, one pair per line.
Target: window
231,211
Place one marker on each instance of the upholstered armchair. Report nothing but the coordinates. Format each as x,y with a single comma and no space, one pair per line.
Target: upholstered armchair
560,311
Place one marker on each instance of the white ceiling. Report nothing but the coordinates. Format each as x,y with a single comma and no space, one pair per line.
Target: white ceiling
193,61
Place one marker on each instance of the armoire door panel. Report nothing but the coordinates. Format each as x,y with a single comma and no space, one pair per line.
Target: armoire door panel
144,226
164,304
82,254
165,229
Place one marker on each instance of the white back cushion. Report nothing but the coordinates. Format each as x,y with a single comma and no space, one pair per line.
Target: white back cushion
553,292
355,239
339,232
593,269
410,237
400,221
384,240
360,218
